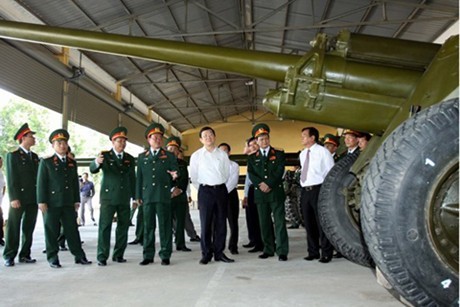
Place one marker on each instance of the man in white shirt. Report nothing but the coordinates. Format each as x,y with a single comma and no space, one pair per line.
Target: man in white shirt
233,210
315,161
209,171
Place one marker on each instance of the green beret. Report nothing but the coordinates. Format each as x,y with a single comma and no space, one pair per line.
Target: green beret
22,131
154,128
119,132
260,129
173,141
59,134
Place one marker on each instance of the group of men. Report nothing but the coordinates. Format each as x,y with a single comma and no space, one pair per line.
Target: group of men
160,188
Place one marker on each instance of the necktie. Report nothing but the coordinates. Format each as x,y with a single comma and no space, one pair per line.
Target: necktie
303,174
30,155
119,156
63,160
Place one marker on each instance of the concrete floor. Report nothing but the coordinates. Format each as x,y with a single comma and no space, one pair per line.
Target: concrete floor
247,282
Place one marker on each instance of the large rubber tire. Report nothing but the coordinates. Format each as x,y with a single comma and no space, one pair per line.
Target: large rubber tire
292,207
340,219
409,207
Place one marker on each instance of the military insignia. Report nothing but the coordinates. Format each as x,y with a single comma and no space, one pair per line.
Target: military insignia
272,158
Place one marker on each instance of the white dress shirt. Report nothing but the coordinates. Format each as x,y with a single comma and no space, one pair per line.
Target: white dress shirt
234,173
247,184
321,162
209,168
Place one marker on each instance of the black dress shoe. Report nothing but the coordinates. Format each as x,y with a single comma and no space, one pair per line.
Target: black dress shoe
165,262
119,260
146,261
204,260
134,242
184,249
337,255
310,258
255,250
102,262
325,259
9,262
282,258
249,245
265,256
293,227
63,249
27,260
234,252
224,258
55,264
83,261
196,239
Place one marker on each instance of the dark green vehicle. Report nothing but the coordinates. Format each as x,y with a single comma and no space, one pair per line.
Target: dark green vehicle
396,205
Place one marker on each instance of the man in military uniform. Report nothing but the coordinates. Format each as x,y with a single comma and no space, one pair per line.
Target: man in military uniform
117,189
156,168
21,168
351,141
266,170
58,195
179,201
331,143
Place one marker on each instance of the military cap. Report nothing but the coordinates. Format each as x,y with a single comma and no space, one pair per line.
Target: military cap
22,131
173,141
154,128
119,132
260,129
354,132
331,139
59,134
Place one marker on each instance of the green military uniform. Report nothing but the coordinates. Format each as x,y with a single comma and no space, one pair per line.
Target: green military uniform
179,203
270,170
21,169
117,189
58,188
153,187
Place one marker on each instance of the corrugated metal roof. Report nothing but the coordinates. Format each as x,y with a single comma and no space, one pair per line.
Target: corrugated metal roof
188,97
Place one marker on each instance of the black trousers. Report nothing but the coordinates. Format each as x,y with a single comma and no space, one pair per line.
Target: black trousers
233,215
213,202
252,221
316,239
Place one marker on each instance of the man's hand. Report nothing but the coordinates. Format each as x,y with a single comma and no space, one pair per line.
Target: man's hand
264,187
140,202
176,192
43,207
173,174
100,159
244,203
16,204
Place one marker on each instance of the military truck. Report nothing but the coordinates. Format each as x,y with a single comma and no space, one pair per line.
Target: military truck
395,206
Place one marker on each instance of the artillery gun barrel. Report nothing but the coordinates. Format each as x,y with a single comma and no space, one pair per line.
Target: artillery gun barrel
257,64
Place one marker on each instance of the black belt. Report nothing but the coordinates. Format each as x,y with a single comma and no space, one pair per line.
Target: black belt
217,186
311,187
